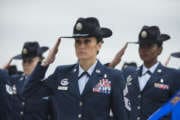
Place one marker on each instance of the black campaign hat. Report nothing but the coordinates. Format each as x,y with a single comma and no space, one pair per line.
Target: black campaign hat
89,27
31,50
151,35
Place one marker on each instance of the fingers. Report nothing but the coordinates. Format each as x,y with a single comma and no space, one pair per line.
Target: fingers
8,64
125,46
167,61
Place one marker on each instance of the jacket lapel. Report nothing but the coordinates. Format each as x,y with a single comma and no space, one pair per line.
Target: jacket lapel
135,82
19,85
73,77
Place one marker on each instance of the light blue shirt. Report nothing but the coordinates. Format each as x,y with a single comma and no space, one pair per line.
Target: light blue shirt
145,76
84,79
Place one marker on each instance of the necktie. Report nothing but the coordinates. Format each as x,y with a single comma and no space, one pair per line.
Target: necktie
82,81
84,73
149,72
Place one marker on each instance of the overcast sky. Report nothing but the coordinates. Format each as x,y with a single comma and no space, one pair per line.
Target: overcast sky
45,20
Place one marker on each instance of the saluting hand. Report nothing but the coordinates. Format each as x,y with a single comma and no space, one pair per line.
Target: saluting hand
6,66
52,53
118,56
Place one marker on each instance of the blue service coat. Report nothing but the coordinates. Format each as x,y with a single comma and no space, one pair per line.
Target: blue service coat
4,77
161,86
102,92
33,105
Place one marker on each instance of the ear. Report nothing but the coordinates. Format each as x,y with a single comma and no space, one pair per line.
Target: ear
99,46
160,50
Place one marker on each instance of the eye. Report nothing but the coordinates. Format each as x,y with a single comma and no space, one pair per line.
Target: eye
87,41
77,41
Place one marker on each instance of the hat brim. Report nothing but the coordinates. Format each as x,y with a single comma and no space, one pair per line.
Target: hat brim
41,50
76,36
176,54
164,37
17,57
104,33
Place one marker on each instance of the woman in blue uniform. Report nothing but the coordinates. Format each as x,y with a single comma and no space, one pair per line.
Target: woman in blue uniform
86,90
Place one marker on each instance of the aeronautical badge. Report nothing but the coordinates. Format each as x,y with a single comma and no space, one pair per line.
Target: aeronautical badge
11,90
128,80
103,86
161,86
144,34
63,84
79,26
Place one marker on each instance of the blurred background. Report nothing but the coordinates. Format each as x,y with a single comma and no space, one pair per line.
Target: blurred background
45,20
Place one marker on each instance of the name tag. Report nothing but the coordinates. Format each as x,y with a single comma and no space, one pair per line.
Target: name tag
161,86
62,88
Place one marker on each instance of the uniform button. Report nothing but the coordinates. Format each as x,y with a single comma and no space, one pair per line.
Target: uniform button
79,115
21,113
80,103
139,96
23,103
138,118
138,107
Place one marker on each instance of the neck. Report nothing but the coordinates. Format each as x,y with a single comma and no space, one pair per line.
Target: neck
86,64
150,64
27,72
28,69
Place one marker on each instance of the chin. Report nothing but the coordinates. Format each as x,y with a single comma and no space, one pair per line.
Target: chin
82,57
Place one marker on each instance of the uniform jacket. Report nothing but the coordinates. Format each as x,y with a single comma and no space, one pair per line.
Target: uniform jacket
102,92
4,77
163,83
33,105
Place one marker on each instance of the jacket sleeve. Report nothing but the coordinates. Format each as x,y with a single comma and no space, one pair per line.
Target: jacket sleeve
117,100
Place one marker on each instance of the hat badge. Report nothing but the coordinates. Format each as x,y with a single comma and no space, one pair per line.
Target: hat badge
24,51
79,26
144,34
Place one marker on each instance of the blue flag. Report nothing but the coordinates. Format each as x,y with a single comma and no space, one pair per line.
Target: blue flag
172,106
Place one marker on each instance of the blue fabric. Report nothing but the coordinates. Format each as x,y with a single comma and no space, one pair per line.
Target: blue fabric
172,106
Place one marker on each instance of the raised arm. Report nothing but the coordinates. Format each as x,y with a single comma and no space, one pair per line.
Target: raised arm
117,59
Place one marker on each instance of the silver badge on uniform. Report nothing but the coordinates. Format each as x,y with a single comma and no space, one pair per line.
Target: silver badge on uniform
162,81
63,84
129,79
105,75
98,71
11,90
126,99
159,70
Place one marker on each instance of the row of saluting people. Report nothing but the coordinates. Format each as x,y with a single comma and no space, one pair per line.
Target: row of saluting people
88,90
